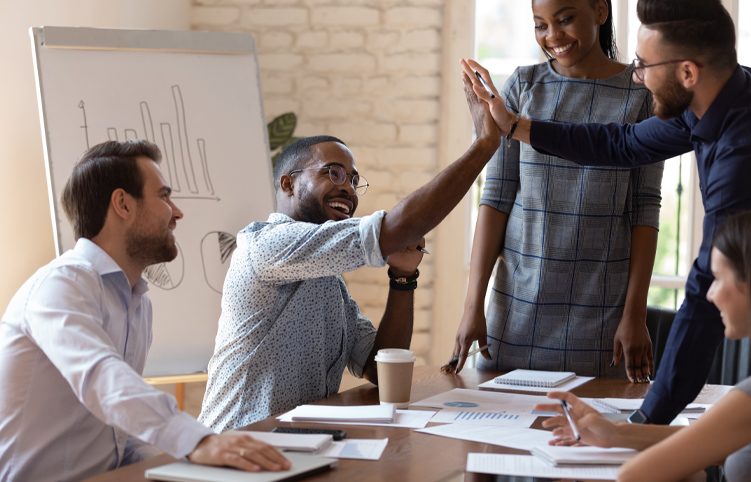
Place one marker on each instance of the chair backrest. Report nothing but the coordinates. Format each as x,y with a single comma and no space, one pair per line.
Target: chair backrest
659,321
731,361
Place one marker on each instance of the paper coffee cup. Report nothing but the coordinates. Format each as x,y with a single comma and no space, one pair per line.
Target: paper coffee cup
394,376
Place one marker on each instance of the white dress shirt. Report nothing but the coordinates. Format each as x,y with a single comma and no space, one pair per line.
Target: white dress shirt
73,343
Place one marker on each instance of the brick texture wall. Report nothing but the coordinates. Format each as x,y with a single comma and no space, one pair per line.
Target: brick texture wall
369,72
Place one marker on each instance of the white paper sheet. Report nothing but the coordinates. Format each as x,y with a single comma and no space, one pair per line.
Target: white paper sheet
564,387
502,418
471,399
515,438
356,448
529,466
404,419
339,413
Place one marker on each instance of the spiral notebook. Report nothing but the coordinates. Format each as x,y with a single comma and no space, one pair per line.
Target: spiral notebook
535,378
583,455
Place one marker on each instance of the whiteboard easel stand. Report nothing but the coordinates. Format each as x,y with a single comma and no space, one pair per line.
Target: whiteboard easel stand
179,381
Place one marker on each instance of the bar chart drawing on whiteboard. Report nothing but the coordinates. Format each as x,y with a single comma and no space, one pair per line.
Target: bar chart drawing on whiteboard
185,161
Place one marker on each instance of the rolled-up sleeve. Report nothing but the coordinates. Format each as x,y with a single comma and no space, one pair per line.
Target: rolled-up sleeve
370,233
284,252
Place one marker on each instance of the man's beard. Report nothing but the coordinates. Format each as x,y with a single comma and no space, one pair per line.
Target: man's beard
671,100
150,248
309,209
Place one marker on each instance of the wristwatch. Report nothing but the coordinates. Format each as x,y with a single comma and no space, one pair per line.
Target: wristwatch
638,416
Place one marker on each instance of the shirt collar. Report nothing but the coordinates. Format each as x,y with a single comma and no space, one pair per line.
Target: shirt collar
278,218
103,262
710,125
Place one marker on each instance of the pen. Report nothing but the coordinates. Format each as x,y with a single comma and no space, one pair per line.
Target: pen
572,424
423,250
485,84
454,361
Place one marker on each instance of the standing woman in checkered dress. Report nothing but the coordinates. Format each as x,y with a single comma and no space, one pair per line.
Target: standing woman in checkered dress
573,247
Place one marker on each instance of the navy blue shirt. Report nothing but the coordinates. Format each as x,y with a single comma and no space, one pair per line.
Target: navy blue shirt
721,140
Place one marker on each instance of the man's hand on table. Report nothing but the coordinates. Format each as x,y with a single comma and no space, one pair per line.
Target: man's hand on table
239,450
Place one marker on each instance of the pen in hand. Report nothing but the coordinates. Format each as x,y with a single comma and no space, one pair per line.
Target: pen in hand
451,365
572,424
485,84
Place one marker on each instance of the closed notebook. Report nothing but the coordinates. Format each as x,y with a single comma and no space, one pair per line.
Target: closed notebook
186,472
297,442
534,378
617,405
583,455
336,413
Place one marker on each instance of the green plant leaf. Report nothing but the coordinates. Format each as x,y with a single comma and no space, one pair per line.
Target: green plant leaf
281,129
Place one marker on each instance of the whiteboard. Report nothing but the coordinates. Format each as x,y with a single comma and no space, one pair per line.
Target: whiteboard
197,96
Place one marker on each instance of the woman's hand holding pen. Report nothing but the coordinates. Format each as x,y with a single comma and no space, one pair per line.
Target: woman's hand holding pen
485,126
592,426
471,328
502,117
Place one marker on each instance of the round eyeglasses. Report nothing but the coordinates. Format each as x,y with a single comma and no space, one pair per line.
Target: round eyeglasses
338,176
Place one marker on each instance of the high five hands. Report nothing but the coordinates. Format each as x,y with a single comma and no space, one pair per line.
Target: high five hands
502,117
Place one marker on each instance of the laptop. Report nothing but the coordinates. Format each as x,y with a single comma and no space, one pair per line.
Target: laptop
186,472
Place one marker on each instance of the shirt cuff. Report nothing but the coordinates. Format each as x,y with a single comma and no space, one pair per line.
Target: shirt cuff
370,233
181,435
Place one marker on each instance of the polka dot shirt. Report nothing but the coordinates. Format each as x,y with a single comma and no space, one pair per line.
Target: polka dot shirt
289,327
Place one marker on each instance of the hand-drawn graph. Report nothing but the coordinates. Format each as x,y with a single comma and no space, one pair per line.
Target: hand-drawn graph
216,251
188,173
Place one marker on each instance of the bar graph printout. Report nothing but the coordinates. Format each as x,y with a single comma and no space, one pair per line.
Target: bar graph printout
485,417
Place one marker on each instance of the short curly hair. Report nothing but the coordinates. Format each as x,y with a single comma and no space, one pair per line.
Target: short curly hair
297,154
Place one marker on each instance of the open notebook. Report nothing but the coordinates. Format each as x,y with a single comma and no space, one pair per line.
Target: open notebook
187,472
534,378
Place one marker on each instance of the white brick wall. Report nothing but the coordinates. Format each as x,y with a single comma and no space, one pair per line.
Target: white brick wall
367,71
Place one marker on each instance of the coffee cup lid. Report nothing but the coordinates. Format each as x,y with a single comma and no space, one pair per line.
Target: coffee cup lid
394,355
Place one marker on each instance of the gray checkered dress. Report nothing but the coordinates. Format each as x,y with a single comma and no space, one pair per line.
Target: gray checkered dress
561,280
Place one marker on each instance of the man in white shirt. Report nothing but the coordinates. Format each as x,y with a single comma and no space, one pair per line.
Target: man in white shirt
74,338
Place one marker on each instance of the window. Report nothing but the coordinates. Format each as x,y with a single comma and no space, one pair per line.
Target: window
743,23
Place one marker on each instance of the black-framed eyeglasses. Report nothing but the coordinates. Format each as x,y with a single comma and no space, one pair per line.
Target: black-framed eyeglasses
338,176
639,66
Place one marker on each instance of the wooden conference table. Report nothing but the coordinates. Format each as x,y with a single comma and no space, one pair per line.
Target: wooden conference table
409,455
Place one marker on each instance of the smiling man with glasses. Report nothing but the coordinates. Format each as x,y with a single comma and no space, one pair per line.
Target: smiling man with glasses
686,57
289,327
